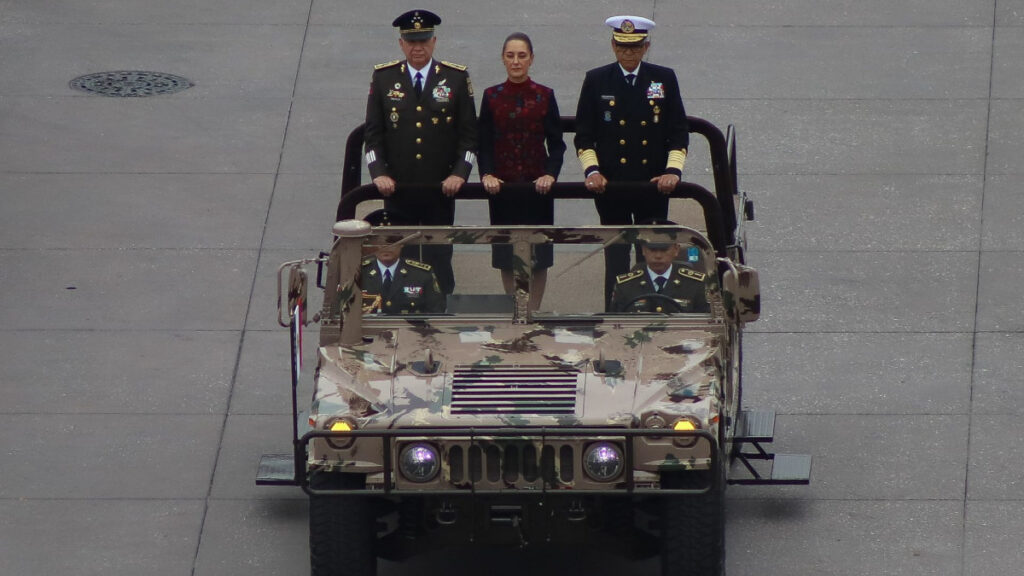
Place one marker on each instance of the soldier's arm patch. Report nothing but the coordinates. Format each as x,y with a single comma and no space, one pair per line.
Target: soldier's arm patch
386,64
418,264
692,274
628,276
459,67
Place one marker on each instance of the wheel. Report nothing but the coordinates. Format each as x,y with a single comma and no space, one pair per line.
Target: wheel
693,527
650,296
341,528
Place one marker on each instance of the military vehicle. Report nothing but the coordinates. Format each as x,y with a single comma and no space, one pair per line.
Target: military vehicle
490,422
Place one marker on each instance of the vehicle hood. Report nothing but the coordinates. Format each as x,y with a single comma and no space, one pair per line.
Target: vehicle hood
515,375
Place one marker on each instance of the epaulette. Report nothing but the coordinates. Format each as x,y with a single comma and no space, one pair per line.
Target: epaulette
687,273
386,64
418,264
628,276
458,67
367,261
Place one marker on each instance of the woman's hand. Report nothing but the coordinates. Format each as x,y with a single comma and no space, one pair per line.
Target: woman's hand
543,184
491,184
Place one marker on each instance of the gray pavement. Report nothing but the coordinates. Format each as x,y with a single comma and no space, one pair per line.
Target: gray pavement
142,372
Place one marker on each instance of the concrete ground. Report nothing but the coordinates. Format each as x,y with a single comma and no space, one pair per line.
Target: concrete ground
142,371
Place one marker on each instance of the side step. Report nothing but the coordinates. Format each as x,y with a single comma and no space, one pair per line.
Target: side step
276,470
754,428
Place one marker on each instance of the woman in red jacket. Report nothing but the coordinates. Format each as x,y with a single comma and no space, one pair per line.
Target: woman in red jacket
520,141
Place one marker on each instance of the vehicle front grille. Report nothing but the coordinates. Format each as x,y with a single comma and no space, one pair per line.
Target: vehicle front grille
513,390
511,463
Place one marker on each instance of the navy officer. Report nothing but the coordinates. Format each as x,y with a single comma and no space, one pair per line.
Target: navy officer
630,127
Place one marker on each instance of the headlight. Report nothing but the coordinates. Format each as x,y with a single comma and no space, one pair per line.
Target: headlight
419,462
602,461
340,425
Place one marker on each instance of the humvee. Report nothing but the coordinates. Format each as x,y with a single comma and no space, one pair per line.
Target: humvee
494,423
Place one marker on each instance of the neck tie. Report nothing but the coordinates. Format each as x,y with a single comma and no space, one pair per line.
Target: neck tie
419,84
631,79
660,281
387,281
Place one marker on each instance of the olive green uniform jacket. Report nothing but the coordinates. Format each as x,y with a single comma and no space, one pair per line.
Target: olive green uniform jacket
414,289
685,286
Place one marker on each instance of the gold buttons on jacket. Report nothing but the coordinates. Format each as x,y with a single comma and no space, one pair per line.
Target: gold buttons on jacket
419,124
643,122
622,142
419,156
643,142
644,161
622,160
622,122
419,140
419,108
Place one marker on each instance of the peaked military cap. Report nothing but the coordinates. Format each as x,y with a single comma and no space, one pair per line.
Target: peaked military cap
417,24
630,29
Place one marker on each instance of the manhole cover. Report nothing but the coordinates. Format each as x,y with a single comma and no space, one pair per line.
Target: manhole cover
130,83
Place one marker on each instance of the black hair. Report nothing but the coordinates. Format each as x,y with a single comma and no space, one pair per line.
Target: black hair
518,36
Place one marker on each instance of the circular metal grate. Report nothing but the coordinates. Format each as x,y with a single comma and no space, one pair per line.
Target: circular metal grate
130,83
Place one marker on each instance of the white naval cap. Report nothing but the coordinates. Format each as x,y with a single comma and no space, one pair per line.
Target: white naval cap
630,29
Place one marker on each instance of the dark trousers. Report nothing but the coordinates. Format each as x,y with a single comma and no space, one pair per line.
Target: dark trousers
433,209
625,210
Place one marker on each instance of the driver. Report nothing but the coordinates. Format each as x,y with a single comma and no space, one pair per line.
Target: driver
655,284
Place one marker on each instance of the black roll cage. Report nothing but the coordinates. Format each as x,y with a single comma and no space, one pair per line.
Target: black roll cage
719,207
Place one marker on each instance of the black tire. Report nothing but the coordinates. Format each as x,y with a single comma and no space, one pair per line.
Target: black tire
341,528
693,528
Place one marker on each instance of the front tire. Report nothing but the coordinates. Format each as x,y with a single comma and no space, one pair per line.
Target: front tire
341,528
693,527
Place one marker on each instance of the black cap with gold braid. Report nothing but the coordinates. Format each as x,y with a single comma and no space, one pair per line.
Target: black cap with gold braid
417,24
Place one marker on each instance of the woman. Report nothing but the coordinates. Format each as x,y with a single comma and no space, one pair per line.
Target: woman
517,119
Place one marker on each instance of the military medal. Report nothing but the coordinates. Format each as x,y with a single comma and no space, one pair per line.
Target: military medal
657,111
393,117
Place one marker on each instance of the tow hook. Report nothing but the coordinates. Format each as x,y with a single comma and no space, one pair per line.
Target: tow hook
510,516
576,512
446,514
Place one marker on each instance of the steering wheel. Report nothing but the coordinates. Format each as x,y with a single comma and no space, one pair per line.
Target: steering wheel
672,302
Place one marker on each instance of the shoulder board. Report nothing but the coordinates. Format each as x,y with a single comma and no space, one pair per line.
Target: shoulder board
459,67
687,273
386,64
367,261
628,276
418,264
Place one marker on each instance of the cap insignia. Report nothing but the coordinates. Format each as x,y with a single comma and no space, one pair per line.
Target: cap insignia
628,27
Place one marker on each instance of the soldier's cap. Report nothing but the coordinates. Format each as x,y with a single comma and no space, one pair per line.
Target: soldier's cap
384,217
656,222
630,30
417,24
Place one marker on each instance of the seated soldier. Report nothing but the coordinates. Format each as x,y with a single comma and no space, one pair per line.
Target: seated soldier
395,285
660,284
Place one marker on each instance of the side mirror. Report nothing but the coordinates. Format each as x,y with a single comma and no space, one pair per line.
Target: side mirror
297,294
741,293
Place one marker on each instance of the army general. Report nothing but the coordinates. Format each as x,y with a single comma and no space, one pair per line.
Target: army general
421,129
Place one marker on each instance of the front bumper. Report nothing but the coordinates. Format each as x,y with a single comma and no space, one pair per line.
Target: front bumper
491,461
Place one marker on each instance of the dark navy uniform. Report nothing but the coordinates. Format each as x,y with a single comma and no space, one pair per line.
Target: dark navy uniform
630,132
684,285
413,290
